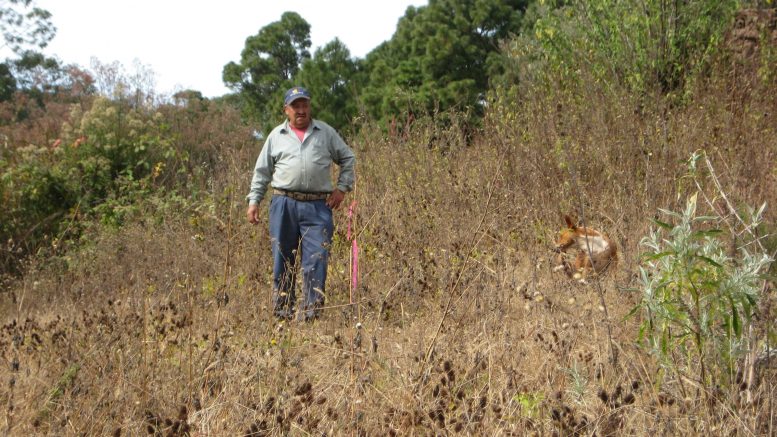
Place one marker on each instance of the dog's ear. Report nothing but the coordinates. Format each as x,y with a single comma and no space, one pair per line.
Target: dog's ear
570,222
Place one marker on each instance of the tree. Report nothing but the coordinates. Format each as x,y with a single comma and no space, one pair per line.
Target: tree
135,85
34,71
7,83
33,81
440,56
328,76
268,62
24,25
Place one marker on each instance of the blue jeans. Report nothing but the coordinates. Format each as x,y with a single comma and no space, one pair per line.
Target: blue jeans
303,228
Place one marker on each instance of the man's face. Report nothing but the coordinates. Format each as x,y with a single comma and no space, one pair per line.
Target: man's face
298,112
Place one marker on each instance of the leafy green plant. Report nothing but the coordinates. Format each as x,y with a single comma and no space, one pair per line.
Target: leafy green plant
697,300
110,157
530,403
35,197
643,46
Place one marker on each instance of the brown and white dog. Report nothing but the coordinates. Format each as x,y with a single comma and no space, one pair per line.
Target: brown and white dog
593,251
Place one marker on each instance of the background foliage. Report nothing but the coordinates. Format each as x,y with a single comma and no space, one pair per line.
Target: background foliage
136,297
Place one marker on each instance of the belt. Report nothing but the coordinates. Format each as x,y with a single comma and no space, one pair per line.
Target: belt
297,195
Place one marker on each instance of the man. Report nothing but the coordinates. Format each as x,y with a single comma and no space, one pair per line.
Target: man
296,159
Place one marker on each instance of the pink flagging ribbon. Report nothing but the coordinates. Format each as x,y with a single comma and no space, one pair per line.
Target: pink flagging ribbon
354,249
355,266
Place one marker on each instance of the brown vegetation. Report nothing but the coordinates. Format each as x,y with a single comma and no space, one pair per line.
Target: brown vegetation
163,326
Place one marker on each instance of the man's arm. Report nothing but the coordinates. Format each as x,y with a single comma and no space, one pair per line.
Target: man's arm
262,176
346,160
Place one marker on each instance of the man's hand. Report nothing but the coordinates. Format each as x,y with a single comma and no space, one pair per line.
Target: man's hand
253,214
335,199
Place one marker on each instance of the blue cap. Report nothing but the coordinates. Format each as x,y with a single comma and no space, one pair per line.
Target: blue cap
296,93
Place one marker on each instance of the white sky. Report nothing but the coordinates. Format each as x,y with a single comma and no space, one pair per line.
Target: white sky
186,43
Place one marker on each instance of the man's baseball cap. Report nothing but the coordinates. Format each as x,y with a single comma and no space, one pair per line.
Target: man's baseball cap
296,93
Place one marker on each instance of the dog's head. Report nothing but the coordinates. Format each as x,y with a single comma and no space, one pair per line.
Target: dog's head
567,236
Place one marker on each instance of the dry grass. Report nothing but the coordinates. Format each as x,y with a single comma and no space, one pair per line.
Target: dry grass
459,326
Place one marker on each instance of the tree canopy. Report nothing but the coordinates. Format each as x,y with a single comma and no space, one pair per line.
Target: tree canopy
439,58
450,54
23,25
329,77
24,28
268,62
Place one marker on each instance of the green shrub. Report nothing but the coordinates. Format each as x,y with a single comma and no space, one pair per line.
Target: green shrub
641,46
106,160
110,153
697,300
34,196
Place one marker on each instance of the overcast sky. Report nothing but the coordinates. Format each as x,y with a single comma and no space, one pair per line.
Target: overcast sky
187,43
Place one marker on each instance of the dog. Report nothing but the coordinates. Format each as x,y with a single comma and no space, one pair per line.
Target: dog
593,251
